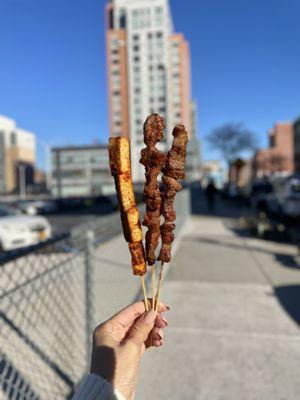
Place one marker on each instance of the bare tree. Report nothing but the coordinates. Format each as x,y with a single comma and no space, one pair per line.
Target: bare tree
231,140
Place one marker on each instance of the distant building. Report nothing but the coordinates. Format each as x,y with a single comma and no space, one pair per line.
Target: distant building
279,157
80,170
297,145
193,159
17,157
241,173
148,72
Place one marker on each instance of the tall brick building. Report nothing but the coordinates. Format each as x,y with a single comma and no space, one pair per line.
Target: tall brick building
279,157
148,72
297,145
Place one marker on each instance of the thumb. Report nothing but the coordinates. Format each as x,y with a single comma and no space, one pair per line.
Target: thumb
142,327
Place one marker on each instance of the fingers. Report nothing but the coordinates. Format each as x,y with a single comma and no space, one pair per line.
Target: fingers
142,327
129,314
157,334
160,321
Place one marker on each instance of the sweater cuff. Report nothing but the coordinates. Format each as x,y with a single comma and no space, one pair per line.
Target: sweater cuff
93,387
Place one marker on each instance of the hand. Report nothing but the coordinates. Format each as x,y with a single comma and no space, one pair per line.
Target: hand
119,343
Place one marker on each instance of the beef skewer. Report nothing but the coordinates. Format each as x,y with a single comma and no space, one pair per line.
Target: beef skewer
172,172
153,160
120,165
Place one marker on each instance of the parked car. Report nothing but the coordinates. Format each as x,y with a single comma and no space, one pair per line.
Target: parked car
27,207
259,193
33,207
19,230
285,198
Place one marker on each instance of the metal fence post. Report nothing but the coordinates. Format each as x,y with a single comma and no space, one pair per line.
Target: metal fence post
89,292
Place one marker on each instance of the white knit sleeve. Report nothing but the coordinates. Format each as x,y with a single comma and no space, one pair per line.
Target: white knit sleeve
93,387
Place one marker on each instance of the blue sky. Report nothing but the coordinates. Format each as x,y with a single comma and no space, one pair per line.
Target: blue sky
245,64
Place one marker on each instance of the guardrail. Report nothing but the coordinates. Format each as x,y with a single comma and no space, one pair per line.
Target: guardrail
48,295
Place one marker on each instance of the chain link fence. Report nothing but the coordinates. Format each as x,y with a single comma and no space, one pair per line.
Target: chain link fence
51,297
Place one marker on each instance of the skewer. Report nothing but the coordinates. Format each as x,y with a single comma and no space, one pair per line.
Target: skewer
145,293
153,284
159,286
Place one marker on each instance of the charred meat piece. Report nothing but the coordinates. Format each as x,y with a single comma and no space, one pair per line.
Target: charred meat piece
173,170
153,161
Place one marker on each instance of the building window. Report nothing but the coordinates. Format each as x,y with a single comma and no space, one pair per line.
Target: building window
111,19
13,139
135,37
159,34
136,59
123,19
114,42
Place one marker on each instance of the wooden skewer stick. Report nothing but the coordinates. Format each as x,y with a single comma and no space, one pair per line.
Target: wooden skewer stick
153,284
145,293
159,286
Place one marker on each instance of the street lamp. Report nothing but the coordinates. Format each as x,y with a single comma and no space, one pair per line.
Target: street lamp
22,181
47,150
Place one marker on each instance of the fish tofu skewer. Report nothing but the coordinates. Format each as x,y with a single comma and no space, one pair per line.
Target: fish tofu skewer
120,165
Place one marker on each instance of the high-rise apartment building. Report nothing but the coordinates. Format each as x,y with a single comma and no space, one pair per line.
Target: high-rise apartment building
17,156
148,71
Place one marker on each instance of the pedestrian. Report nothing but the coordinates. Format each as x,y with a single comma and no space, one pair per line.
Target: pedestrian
118,345
210,193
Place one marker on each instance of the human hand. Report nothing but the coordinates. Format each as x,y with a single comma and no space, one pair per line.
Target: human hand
119,343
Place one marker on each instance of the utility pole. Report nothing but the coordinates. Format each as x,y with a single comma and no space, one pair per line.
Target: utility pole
22,181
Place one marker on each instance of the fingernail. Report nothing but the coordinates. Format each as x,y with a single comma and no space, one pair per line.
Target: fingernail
149,317
163,320
160,343
159,336
168,307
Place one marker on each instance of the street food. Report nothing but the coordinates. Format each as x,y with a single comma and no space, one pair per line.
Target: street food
153,160
120,165
173,170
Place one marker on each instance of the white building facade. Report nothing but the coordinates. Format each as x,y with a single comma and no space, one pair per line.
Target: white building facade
17,148
80,171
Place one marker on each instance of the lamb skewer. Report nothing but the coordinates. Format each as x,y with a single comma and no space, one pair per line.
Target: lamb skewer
153,161
173,171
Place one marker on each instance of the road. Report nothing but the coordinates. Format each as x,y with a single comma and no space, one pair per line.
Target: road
64,222
234,321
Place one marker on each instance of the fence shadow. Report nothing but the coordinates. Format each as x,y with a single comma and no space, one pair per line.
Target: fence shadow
289,298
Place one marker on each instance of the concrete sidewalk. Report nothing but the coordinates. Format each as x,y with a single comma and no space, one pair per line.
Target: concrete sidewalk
232,326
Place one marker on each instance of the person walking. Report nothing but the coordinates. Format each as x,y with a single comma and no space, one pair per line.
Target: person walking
210,193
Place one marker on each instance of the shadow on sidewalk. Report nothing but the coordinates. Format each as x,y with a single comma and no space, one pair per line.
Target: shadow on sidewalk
289,298
285,260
